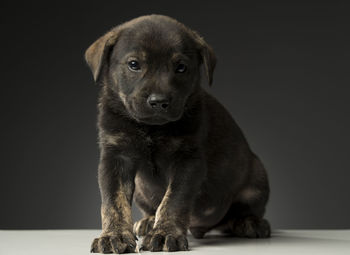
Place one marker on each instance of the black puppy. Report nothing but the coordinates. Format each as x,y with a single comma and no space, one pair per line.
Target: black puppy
167,143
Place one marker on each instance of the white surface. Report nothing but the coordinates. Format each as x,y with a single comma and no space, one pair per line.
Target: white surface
282,242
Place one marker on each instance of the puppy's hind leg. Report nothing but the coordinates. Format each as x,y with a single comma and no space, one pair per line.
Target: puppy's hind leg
251,227
143,226
245,216
198,232
242,221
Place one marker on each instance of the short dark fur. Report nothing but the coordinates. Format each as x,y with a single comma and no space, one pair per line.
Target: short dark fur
186,165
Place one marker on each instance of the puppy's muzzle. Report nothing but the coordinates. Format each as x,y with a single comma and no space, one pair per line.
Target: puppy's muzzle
158,102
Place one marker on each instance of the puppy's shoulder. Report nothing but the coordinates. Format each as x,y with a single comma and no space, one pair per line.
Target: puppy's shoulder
219,120
213,107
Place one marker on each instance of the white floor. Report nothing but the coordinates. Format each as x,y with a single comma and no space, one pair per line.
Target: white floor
283,242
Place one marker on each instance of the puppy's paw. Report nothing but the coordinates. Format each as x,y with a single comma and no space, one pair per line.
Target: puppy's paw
165,239
124,242
143,226
198,232
251,227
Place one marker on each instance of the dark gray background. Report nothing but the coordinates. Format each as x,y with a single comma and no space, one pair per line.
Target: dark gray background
283,72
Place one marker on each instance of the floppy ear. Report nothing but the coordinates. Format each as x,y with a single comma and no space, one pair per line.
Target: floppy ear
208,56
96,54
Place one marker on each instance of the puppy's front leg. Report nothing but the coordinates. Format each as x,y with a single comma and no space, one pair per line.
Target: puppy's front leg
116,181
173,214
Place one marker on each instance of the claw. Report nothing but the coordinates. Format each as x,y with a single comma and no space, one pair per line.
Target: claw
142,248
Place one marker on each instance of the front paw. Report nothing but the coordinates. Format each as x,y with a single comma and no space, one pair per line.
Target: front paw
124,242
165,239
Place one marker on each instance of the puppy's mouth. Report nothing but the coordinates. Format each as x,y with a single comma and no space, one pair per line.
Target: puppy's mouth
148,116
156,119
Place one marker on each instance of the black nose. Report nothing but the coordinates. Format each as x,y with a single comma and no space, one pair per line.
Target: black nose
158,101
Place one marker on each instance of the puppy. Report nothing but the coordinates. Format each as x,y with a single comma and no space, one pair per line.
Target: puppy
167,144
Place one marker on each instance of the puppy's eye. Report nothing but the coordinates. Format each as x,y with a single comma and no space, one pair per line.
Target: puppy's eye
181,68
134,65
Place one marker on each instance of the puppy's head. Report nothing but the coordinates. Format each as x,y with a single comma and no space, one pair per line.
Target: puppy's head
152,64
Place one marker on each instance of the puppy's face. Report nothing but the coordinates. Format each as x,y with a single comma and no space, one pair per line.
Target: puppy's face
153,66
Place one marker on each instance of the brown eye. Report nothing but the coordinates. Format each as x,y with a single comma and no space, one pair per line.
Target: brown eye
134,65
181,68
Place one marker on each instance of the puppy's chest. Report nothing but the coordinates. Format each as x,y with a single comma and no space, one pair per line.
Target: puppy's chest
155,173
164,149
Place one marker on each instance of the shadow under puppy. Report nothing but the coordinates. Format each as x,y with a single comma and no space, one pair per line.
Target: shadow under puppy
168,144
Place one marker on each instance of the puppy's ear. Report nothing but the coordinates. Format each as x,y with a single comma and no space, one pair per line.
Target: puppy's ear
96,55
208,56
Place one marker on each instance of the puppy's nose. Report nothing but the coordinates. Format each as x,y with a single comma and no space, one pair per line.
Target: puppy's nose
158,102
